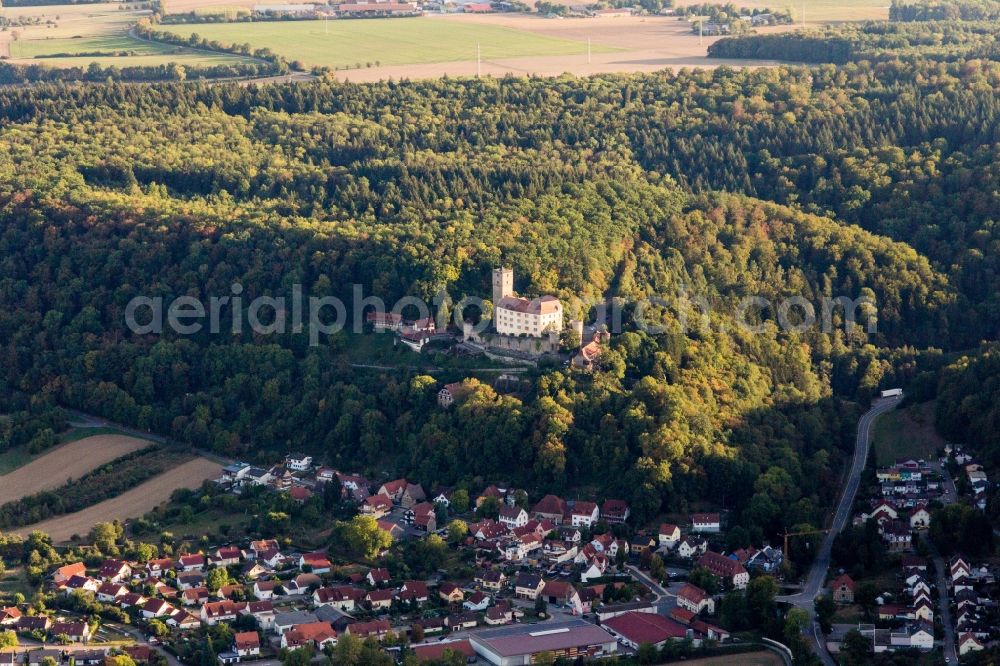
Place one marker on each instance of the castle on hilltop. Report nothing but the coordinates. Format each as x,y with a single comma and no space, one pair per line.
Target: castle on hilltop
514,315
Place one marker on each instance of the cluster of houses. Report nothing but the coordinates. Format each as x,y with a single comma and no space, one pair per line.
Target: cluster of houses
974,473
905,491
969,587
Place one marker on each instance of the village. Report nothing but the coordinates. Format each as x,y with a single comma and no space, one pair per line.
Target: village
932,600
549,577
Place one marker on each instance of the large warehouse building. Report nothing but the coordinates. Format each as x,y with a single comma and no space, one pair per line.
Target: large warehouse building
517,645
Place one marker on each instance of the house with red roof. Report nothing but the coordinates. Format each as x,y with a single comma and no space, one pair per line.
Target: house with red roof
695,599
246,644
64,573
710,523
843,588
615,511
551,508
584,514
669,535
437,652
725,568
635,629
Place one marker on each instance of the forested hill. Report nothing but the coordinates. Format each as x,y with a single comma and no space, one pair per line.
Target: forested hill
607,186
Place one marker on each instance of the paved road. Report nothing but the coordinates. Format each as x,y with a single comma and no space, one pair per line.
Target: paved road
817,574
944,603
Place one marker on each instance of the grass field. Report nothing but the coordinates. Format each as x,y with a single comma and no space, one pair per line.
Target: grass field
100,29
387,42
65,462
131,504
907,433
762,658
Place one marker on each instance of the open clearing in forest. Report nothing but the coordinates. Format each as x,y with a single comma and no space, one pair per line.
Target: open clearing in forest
131,504
65,462
906,434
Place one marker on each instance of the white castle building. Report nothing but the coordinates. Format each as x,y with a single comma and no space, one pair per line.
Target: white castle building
513,315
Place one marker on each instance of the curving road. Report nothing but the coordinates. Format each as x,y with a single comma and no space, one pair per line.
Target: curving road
817,574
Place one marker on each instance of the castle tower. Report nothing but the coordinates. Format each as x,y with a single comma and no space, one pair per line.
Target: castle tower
503,284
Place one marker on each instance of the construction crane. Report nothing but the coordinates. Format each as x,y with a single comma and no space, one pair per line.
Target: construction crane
784,553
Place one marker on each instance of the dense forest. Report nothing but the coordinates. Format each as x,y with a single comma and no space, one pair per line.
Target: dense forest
872,180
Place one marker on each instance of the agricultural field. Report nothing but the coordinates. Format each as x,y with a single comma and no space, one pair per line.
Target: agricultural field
405,41
65,462
77,35
826,11
131,504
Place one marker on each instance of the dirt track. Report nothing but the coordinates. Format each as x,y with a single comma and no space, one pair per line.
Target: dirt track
69,461
131,504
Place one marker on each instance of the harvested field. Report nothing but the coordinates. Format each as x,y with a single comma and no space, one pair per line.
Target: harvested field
69,461
762,658
131,504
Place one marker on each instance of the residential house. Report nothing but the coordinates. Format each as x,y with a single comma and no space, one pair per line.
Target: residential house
967,643
843,589
263,612
584,514
318,634
298,462
562,593
284,622
669,535
528,585
490,579
221,611
414,590
380,599
265,589
499,614
450,393
376,577
451,593
78,632
64,573
461,621
393,490
377,629
317,563
920,517
158,567
115,571
695,599
302,584
615,511
194,596
706,523
551,508
246,644
725,568
377,505
690,546
412,495
513,517
342,597
195,562
110,592
477,601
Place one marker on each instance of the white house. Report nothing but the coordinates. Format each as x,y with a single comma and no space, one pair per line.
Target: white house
710,523
584,514
298,462
669,535
513,517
